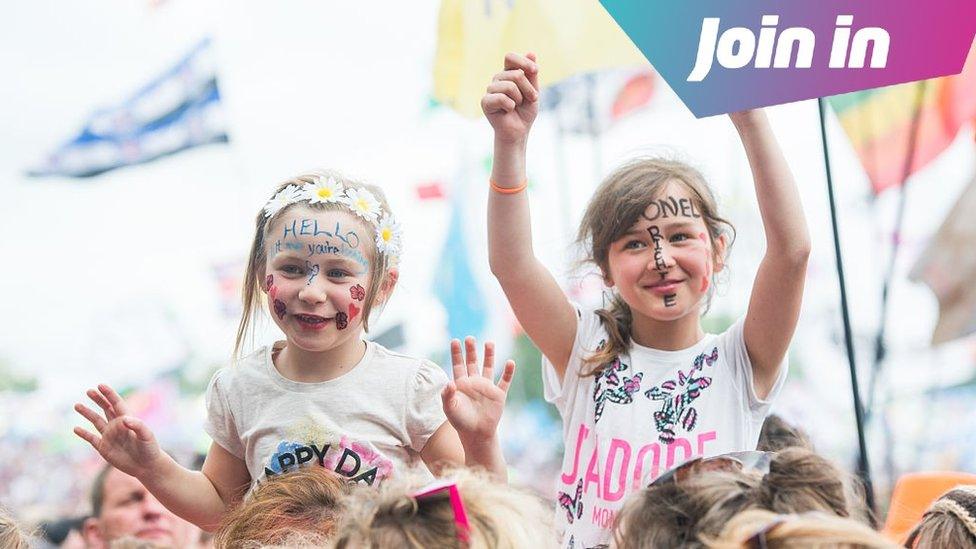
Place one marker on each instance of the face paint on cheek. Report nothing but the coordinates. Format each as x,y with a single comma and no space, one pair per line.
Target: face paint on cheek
357,292
341,320
279,307
670,299
353,311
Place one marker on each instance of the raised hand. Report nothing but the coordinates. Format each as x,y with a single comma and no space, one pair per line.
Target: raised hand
473,402
123,440
511,101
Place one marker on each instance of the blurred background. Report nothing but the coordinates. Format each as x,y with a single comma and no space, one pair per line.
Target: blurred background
140,138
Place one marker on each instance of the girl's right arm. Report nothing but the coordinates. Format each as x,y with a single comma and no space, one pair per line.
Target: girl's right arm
127,443
511,104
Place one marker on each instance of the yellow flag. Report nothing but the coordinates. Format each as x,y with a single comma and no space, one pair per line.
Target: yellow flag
567,36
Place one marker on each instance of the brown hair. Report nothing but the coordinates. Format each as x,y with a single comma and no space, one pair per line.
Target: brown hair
12,535
777,434
257,258
806,531
98,490
949,522
675,514
304,502
616,205
499,516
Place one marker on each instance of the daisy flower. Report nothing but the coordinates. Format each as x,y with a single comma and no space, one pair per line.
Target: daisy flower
284,197
363,204
329,190
388,235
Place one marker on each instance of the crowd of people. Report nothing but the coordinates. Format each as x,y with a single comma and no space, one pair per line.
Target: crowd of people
329,439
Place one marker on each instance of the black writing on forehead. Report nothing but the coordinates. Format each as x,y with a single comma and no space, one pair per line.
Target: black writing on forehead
669,206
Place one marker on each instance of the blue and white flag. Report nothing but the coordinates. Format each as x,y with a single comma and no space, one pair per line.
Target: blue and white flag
455,285
178,110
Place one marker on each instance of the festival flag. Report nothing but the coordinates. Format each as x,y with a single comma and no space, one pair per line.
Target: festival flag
948,267
879,122
455,285
568,37
179,109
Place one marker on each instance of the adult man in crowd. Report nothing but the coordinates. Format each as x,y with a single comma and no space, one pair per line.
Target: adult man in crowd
122,507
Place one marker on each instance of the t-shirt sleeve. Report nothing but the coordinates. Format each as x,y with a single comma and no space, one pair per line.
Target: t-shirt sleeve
424,411
742,371
556,390
220,424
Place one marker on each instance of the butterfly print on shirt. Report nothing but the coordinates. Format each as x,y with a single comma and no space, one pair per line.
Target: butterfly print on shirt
677,396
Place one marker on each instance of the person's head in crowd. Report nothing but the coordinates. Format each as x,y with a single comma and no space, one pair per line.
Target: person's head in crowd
468,510
12,534
64,533
122,506
949,522
130,542
813,530
302,504
777,435
701,496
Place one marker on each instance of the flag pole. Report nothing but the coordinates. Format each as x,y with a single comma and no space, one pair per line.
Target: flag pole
880,351
864,470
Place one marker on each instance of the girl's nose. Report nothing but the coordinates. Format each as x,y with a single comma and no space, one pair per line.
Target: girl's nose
661,260
313,292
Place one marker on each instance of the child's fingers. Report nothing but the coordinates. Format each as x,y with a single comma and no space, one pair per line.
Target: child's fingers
520,78
518,61
447,395
87,436
533,72
102,403
507,375
139,428
457,361
114,399
497,102
471,356
506,87
96,420
488,370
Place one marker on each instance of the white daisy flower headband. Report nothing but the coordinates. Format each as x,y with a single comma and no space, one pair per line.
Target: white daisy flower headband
360,201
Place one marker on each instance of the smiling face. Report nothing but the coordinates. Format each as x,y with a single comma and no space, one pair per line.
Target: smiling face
317,273
663,265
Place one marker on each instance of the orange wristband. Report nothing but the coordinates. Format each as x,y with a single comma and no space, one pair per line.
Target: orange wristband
508,190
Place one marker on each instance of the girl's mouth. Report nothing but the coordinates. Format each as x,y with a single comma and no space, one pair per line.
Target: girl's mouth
664,287
311,322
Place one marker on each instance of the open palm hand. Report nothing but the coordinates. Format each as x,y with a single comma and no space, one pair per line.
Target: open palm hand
473,402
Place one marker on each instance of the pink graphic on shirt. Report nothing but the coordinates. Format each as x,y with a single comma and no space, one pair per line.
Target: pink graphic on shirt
677,396
610,388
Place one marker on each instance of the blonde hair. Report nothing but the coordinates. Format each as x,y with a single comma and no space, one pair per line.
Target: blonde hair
806,531
625,194
257,258
305,503
499,517
12,534
676,514
132,542
949,522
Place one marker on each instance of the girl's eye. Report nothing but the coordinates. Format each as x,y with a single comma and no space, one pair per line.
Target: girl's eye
634,245
292,269
336,273
680,237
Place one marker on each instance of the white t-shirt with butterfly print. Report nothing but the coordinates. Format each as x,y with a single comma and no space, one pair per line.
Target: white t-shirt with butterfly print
647,411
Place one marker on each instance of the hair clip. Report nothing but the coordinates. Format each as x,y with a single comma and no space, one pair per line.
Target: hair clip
457,504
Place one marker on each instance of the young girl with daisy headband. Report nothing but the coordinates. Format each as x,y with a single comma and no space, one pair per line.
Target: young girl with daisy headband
639,384
324,253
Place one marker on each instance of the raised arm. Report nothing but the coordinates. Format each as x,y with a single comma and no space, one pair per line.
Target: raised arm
777,292
128,444
511,104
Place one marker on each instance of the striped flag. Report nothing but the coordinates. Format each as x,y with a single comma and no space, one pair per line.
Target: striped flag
879,122
179,109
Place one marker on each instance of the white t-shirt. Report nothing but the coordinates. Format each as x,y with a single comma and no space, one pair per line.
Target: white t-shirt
648,411
365,425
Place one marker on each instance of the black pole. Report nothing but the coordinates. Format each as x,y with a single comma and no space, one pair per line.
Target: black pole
864,470
880,351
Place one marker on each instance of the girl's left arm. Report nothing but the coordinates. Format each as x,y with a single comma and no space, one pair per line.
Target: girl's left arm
777,292
473,404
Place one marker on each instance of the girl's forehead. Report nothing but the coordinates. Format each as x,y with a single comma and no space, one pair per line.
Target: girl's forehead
304,222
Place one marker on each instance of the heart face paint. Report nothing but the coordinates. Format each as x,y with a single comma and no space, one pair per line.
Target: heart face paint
353,311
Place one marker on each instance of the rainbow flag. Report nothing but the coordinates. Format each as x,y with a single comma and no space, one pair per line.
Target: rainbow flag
879,122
